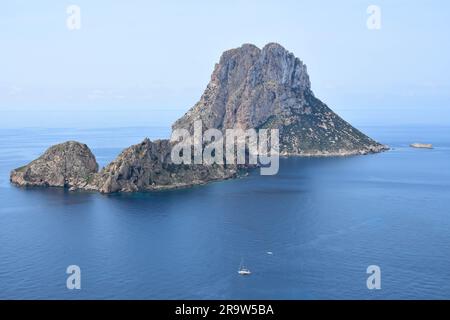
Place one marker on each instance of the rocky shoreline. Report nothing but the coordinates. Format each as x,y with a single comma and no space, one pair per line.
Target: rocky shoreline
343,153
142,167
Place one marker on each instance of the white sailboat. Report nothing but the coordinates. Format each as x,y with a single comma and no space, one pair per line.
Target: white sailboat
243,271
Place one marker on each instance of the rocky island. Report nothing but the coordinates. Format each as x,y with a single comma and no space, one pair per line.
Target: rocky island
266,88
421,145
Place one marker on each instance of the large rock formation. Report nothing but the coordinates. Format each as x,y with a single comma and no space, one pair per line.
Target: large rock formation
249,88
148,166
141,167
69,164
270,88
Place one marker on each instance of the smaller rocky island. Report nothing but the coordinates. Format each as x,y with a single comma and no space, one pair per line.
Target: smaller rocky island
67,164
421,145
146,166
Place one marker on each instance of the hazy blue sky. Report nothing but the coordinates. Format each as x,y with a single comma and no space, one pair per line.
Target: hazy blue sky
147,62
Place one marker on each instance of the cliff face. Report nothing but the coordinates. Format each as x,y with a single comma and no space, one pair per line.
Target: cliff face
142,167
67,164
249,88
148,166
270,88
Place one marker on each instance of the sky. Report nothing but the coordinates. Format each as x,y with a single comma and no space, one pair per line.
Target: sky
138,63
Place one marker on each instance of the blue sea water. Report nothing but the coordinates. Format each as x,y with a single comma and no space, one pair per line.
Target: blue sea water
325,220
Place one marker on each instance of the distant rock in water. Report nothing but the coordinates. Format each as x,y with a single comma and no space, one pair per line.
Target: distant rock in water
253,88
270,88
69,164
421,145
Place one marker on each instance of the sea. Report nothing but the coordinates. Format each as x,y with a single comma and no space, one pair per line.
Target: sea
312,231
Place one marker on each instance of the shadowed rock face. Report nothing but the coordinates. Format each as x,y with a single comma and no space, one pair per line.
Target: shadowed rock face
142,167
69,164
148,166
270,88
249,88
